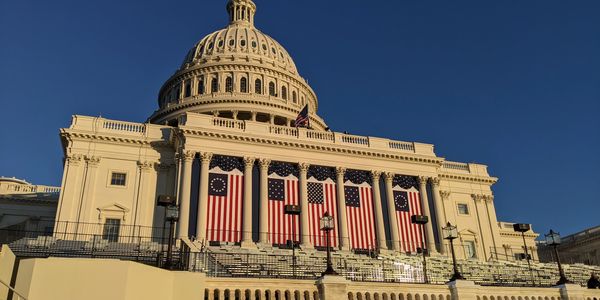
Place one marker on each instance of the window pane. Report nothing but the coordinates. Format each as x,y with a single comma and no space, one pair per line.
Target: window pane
118,179
463,209
111,230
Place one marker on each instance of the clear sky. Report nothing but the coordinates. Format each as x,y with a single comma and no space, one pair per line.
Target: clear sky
512,84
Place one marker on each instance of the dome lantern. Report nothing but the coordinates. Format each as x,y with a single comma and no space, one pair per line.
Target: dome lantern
241,12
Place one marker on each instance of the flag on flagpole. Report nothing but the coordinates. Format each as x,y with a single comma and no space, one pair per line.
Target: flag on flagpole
302,120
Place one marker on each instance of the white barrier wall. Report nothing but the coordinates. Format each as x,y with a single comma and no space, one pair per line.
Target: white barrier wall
96,279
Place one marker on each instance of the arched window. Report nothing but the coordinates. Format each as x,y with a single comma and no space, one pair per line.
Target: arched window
294,97
214,85
201,86
188,89
284,92
244,85
272,88
258,86
229,85
178,93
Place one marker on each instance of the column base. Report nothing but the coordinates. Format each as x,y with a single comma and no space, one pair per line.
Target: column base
248,245
307,246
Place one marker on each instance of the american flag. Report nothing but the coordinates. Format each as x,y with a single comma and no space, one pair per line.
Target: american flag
408,203
359,213
321,199
224,214
302,120
282,227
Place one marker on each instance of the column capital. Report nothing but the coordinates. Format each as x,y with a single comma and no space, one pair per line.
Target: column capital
488,198
145,165
423,180
340,171
188,155
206,157
264,163
445,195
435,181
74,159
303,167
249,161
93,161
389,176
477,197
376,175
162,167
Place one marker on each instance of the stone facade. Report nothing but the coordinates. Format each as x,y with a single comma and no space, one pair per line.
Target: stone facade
237,95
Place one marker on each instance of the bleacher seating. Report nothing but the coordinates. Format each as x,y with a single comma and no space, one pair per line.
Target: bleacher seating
272,262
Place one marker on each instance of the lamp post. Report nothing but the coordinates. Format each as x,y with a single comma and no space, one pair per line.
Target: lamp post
293,210
451,233
553,239
327,226
422,220
172,213
522,228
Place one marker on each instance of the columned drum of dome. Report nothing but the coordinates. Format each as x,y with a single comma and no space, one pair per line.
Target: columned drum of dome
214,77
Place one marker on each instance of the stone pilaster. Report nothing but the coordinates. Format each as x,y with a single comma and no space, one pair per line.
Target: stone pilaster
89,190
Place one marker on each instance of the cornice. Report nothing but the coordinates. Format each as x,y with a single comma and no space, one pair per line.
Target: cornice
309,146
465,177
41,200
67,133
208,99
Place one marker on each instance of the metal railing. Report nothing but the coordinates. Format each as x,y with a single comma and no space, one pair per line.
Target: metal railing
89,240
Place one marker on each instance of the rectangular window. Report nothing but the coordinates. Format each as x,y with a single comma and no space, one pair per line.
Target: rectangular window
470,249
118,179
463,209
111,230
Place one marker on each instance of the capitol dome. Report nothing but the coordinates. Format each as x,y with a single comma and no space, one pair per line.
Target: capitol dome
240,73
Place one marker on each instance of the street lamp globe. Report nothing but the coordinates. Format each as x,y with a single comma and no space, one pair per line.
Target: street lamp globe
450,232
552,238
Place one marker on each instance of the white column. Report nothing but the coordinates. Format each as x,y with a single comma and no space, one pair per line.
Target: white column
389,177
379,222
264,201
247,221
439,212
427,212
205,158
303,167
341,199
184,193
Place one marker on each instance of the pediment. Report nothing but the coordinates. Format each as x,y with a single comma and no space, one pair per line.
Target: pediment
115,207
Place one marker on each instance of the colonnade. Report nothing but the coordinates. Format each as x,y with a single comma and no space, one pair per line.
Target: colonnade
184,198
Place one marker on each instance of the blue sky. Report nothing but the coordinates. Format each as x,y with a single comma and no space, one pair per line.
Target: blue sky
511,84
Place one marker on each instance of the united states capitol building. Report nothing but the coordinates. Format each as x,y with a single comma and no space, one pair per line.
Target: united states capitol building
224,147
